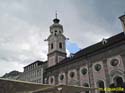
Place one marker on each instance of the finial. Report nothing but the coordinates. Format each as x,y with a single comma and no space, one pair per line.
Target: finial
56,14
56,20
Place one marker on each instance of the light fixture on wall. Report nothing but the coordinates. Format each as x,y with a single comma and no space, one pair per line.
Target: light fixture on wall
59,89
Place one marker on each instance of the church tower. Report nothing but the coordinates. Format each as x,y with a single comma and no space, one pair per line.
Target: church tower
56,43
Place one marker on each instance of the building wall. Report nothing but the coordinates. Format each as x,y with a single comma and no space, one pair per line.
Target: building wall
102,57
34,73
84,78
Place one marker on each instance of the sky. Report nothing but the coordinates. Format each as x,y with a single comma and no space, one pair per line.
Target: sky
24,25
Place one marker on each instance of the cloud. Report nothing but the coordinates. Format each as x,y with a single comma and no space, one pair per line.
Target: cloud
20,43
24,24
93,20
9,66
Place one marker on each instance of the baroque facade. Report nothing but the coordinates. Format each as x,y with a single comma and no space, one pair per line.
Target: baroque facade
99,65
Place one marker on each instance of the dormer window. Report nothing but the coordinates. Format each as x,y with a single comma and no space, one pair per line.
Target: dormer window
104,41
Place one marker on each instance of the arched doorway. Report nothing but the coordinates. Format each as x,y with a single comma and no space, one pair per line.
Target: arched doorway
112,86
118,81
86,85
100,84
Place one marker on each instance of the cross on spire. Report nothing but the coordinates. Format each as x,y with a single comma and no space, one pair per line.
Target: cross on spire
56,14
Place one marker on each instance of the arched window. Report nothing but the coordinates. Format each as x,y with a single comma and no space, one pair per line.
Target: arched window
72,74
112,86
51,80
86,85
55,32
60,45
52,46
61,77
101,85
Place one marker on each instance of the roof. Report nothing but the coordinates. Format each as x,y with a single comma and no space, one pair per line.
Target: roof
39,63
98,46
93,48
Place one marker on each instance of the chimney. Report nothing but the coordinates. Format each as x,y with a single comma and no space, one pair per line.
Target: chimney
122,18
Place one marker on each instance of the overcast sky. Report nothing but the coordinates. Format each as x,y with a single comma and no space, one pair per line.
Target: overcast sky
24,24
